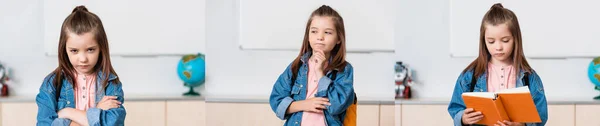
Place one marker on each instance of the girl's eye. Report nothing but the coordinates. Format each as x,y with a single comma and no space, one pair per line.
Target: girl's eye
90,50
73,51
491,42
313,31
329,33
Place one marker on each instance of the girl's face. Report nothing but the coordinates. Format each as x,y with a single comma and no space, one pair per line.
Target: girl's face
83,52
322,34
499,42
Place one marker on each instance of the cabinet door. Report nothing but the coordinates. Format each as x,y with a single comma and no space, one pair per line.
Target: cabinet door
367,115
389,115
241,114
145,113
18,114
425,115
561,115
586,115
186,113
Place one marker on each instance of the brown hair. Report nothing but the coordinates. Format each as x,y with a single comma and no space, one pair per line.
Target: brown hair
495,16
79,22
338,52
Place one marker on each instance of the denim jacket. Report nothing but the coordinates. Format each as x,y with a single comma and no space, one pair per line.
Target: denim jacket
49,105
339,91
463,84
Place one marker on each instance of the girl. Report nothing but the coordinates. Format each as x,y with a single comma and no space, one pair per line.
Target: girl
500,65
83,89
317,87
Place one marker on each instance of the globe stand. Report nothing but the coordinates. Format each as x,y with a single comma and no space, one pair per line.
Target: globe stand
191,92
597,97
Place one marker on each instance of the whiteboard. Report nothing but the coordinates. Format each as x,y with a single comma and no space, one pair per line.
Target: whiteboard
550,28
136,27
280,24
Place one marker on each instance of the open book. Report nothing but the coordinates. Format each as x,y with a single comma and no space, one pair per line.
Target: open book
514,105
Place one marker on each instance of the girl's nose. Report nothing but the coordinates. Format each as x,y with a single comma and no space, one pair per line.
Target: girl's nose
321,37
83,58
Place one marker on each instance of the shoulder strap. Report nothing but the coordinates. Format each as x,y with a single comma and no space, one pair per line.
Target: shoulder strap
473,82
526,79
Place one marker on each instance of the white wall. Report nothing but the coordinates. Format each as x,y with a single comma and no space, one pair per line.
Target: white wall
422,28
22,50
423,41
230,71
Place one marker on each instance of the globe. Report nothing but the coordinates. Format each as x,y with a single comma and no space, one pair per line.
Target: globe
191,70
594,74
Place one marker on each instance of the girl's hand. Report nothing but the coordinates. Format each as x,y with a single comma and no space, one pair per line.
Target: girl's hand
319,58
470,116
64,113
508,123
108,102
314,104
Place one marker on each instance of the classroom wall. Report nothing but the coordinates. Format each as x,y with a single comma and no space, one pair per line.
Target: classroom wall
422,28
241,72
230,70
22,50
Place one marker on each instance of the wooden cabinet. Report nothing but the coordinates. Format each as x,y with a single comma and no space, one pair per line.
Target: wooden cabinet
238,114
18,113
389,115
586,115
186,113
145,113
367,115
561,115
425,115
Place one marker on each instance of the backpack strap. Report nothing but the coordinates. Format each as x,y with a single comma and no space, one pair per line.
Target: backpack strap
526,79
473,82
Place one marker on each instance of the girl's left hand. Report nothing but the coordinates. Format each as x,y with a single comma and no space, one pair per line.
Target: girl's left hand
508,123
319,58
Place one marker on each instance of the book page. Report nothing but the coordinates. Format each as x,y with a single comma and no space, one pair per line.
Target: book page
524,89
489,95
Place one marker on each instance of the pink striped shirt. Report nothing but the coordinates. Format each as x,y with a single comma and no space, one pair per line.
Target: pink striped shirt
85,94
501,77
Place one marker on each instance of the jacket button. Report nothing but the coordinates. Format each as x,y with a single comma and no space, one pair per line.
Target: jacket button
480,90
68,102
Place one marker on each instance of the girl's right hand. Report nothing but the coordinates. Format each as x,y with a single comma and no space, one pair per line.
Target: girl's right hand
470,116
108,102
314,104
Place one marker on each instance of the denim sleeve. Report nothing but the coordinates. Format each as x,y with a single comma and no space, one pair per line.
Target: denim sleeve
339,91
61,122
280,98
457,105
110,117
47,104
539,98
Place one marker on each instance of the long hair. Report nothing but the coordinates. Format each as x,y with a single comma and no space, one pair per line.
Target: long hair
338,52
79,22
495,16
